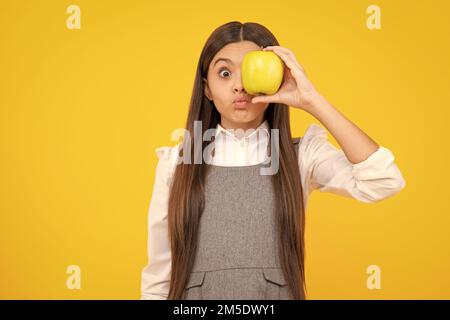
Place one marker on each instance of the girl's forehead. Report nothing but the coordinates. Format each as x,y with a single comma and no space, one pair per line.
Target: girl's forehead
234,52
237,49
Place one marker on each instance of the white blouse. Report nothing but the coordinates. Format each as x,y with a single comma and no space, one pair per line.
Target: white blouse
322,167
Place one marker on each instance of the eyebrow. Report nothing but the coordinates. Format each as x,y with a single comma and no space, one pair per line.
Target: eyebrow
223,59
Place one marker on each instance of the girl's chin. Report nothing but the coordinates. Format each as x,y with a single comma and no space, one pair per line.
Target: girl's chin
242,117
241,109
241,113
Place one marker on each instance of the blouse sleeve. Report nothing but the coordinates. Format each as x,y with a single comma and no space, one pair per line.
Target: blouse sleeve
155,278
327,169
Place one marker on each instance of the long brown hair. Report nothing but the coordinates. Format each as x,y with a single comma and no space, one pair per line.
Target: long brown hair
186,199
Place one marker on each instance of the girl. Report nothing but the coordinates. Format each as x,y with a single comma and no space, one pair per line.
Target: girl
221,230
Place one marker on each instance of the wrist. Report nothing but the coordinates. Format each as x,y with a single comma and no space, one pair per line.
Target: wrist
315,101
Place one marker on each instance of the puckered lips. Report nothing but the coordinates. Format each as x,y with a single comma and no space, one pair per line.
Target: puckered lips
241,102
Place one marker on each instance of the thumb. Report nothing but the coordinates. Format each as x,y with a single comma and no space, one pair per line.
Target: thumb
264,99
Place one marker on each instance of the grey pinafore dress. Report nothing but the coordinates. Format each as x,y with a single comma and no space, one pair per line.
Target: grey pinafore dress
237,254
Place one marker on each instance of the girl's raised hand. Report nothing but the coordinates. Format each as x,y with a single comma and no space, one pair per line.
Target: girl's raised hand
296,90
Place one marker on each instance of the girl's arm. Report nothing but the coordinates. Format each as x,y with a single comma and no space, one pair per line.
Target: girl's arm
362,169
326,168
298,91
155,278
356,145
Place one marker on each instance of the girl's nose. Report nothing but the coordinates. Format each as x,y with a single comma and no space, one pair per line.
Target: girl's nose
238,87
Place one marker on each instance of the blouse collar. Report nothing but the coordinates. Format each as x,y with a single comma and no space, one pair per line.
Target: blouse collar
263,127
247,149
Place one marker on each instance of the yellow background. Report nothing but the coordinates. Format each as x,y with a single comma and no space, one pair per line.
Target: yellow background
82,112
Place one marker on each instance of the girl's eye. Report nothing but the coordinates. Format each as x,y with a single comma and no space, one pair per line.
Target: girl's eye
223,69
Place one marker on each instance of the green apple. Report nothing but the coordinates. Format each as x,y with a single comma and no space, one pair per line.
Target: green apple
262,72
